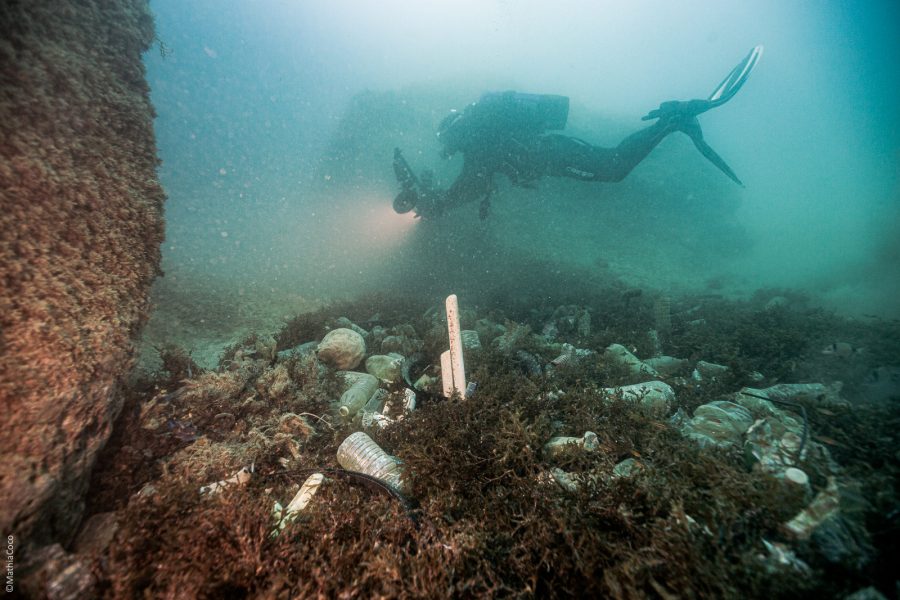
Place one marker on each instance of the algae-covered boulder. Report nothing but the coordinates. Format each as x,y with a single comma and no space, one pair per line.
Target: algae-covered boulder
81,224
342,348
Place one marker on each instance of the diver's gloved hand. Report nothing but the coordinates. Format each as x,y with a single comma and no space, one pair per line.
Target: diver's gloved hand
406,200
426,206
678,110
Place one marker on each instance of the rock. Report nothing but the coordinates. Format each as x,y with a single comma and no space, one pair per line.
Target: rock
488,330
705,370
54,574
405,329
666,365
572,319
470,339
514,338
346,323
756,377
719,423
400,344
869,593
617,354
96,533
393,343
82,224
376,336
565,480
628,468
300,350
680,419
264,348
342,348
275,384
425,382
550,331
654,397
386,367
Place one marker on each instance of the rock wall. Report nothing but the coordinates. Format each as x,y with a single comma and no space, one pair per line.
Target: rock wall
80,230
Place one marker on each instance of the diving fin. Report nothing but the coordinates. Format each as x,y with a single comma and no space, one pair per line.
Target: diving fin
738,76
693,131
724,92
683,114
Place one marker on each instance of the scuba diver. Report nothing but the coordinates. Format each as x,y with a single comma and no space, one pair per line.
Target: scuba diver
505,132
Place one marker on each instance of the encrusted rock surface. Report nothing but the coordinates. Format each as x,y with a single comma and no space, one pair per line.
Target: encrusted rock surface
342,348
82,226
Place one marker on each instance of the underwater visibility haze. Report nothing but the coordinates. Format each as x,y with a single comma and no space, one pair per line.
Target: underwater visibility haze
671,371
277,120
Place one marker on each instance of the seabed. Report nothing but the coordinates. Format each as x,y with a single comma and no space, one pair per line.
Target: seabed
654,506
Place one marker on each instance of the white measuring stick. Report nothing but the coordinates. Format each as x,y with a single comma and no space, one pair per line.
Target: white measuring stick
446,373
457,365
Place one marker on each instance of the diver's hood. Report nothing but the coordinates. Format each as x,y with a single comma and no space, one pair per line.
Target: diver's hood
449,132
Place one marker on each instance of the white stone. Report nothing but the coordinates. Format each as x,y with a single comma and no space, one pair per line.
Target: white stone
654,397
666,365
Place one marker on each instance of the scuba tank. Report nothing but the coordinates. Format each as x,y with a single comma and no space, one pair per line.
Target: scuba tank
544,112
497,115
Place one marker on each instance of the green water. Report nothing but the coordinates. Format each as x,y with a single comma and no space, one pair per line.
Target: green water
277,122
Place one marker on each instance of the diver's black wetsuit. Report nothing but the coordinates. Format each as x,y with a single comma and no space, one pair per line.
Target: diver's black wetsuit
505,133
